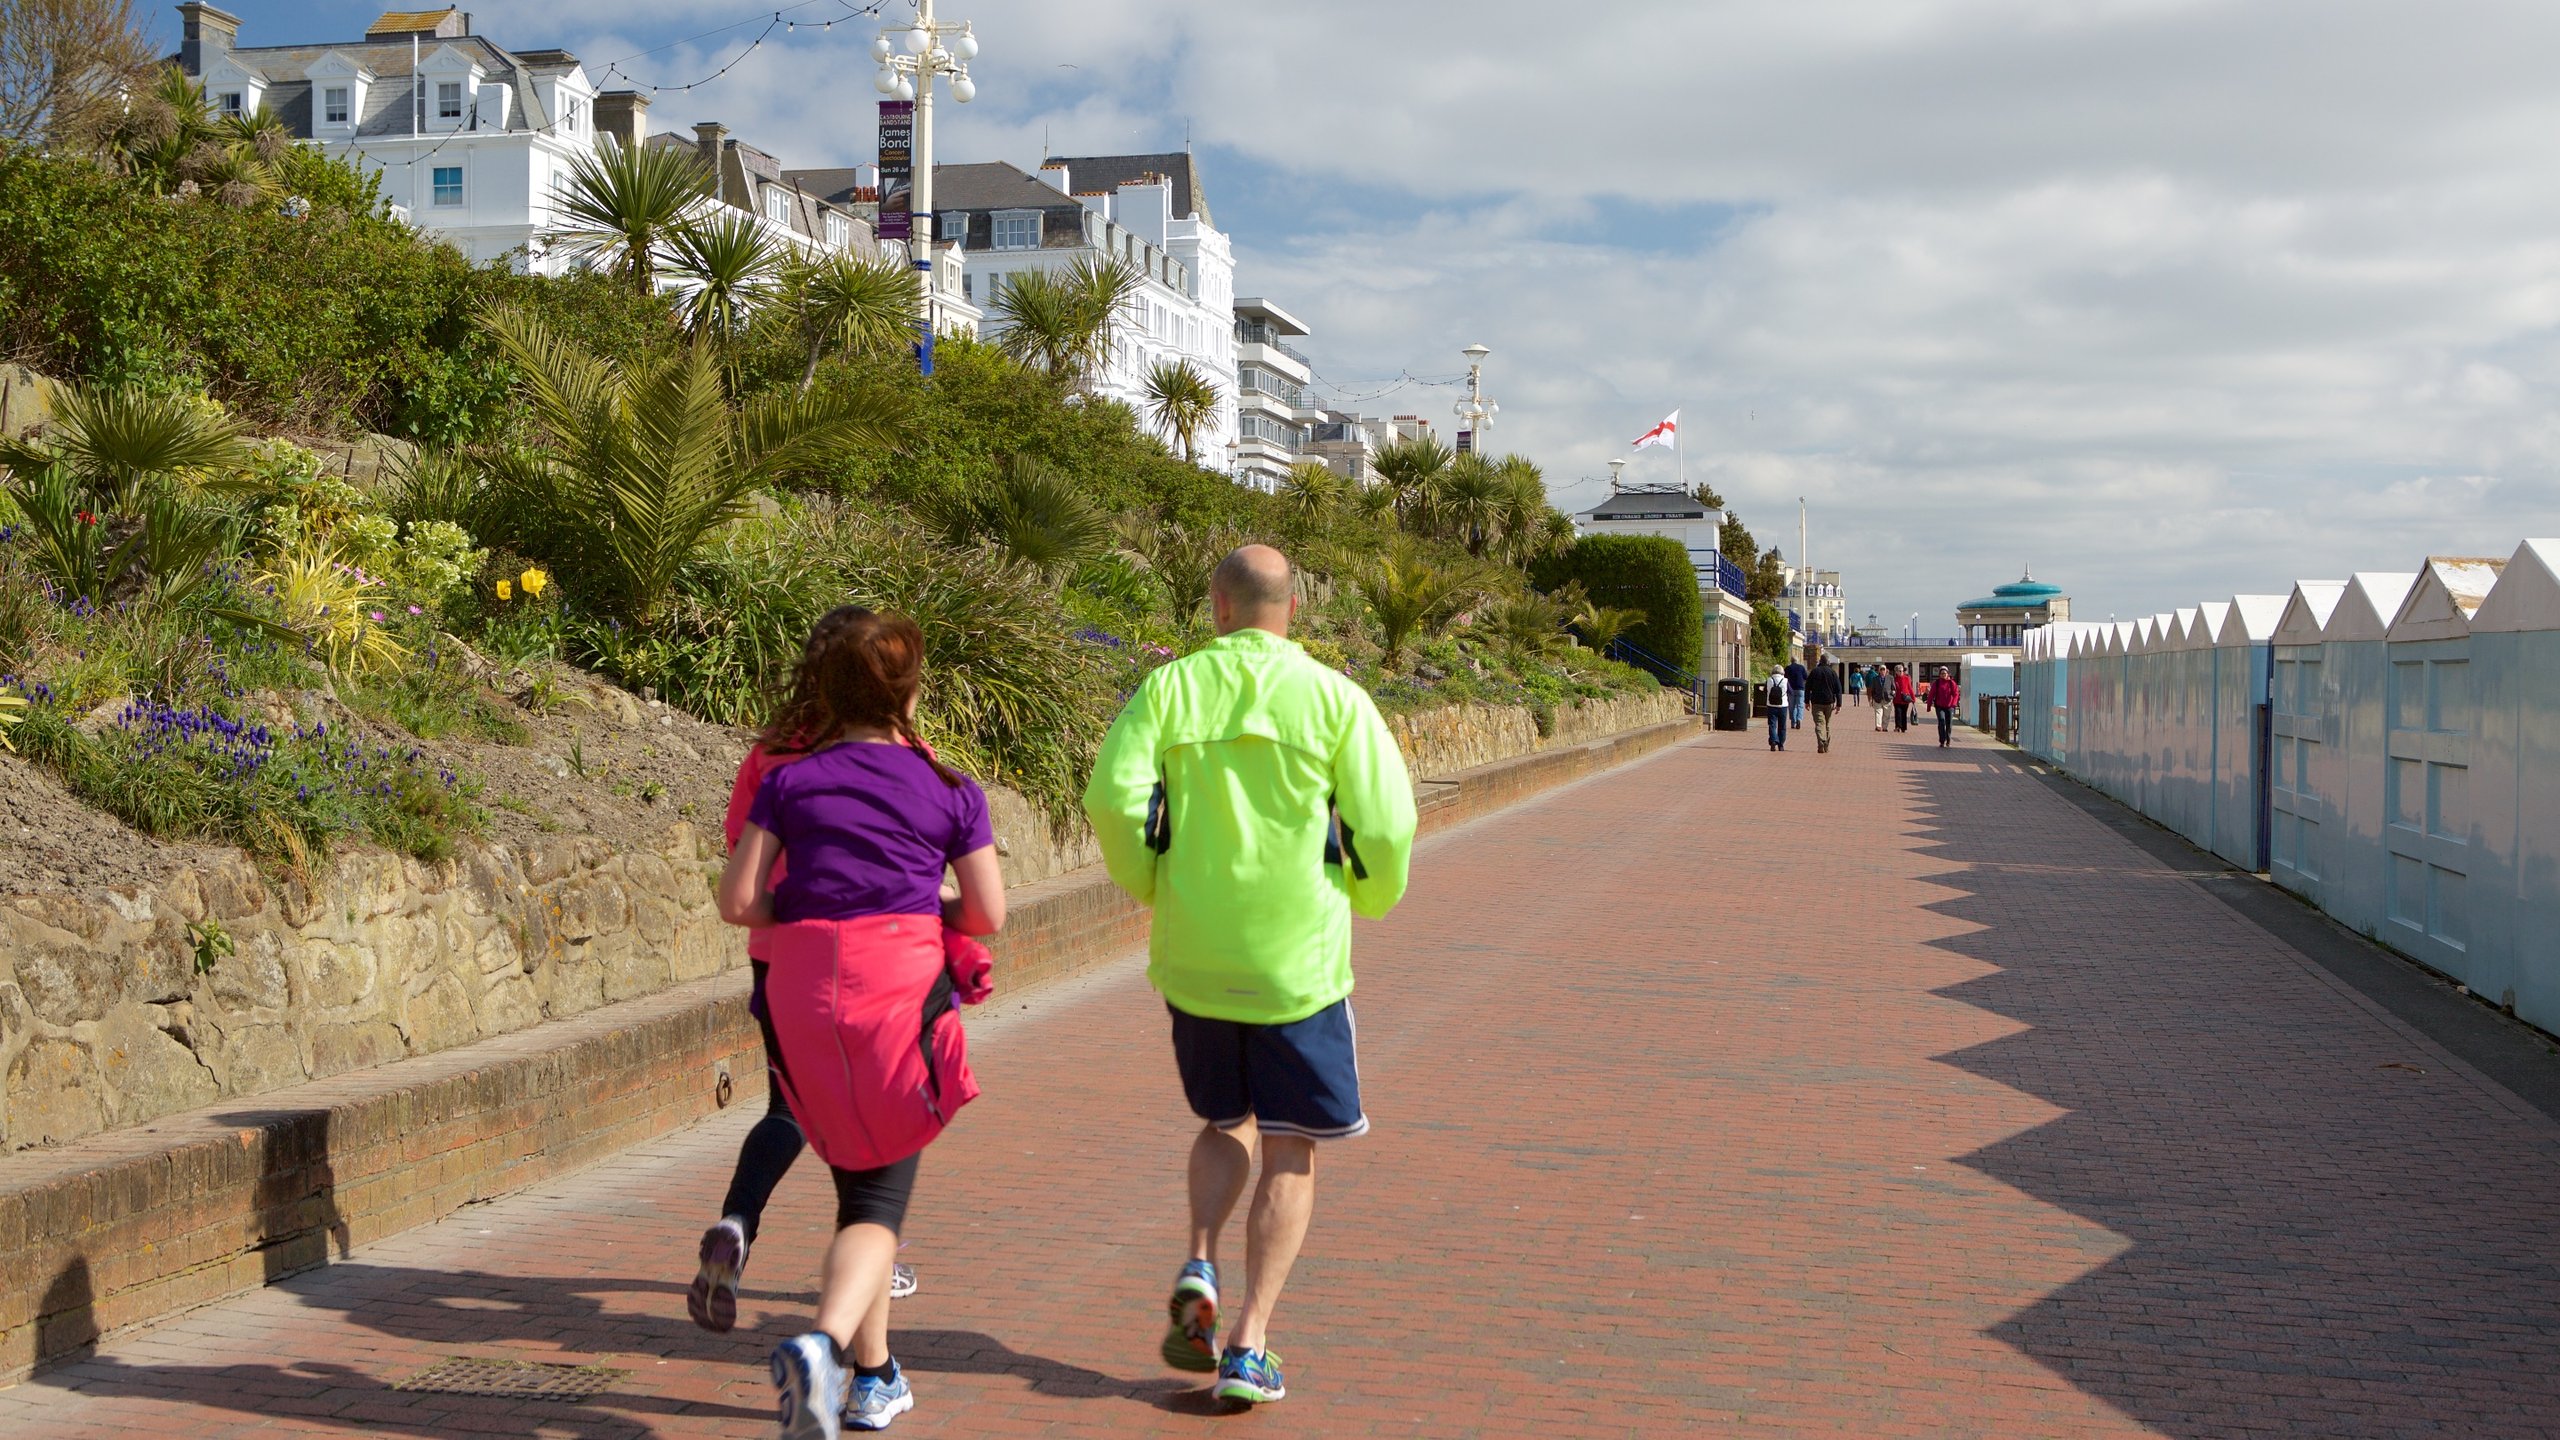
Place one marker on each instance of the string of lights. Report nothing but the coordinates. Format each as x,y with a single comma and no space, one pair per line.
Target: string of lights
1405,379
773,21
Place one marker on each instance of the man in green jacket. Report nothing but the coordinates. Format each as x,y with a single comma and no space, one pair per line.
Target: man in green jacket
1255,799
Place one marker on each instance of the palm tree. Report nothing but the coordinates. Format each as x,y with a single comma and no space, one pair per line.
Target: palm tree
1528,624
1060,323
1467,501
648,458
1182,400
851,304
625,203
1409,591
1374,503
1311,492
1410,467
159,129
1039,519
116,443
729,265
1182,558
1600,626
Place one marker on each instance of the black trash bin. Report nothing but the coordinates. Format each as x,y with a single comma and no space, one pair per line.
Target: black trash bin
1733,704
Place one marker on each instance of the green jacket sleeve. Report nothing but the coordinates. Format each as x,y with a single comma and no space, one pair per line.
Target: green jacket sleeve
1115,799
1375,798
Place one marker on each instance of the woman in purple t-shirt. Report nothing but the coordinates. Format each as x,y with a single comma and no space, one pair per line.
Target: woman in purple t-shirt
857,988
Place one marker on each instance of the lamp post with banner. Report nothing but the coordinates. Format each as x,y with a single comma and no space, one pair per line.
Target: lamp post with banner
909,61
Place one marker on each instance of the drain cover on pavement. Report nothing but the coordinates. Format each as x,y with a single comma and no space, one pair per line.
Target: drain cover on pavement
515,1379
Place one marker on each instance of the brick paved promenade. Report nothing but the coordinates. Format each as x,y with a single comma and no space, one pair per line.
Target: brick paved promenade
1878,1094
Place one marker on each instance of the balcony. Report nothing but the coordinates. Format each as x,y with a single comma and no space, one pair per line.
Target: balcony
1255,333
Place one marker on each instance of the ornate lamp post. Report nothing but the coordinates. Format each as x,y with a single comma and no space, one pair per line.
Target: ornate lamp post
909,59
1476,411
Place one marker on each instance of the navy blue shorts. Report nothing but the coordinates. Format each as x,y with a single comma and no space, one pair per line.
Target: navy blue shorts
1302,1078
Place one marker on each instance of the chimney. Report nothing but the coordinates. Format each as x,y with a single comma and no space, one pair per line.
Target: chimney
624,115
708,138
1055,172
207,36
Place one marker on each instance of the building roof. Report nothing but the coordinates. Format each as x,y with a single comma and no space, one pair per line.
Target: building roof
1665,504
2024,593
445,22
837,184
994,185
1094,174
1272,315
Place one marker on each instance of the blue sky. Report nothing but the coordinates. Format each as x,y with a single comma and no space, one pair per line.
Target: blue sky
2167,298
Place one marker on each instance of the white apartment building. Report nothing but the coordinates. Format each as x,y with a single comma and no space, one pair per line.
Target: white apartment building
1275,416
1144,210
1824,610
473,141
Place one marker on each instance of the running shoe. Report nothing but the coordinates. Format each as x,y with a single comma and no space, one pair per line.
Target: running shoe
713,1300
876,1402
902,1281
1192,1342
1249,1377
810,1381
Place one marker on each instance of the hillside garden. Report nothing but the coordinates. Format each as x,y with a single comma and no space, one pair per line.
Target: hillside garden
659,470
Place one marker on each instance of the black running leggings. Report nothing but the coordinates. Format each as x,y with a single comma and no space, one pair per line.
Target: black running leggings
863,1197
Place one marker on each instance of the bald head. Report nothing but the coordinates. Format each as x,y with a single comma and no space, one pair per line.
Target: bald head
1253,588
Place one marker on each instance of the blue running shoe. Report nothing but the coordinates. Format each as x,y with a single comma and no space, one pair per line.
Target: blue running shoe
875,1403
811,1384
1249,1377
1192,1343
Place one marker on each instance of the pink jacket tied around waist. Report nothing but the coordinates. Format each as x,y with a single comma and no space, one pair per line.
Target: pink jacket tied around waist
875,1063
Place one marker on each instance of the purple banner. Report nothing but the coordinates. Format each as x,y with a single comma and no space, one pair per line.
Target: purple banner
897,167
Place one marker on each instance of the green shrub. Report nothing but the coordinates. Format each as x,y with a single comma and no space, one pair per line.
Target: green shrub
345,320
1638,572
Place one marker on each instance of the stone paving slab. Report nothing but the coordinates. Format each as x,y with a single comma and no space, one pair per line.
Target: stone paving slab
1883,1093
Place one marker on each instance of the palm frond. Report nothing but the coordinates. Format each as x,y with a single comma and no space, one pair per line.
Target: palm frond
118,441
728,267
1182,400
622,205
851,304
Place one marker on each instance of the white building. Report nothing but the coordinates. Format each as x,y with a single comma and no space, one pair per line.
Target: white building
1143,210
1275,415
1819,594
1672,511
473,142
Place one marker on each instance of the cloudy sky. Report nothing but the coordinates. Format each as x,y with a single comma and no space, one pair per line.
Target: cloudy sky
2165,298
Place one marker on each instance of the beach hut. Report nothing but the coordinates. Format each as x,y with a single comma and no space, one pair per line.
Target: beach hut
2426,784
2304,787
2244,630
2515,787
2356,669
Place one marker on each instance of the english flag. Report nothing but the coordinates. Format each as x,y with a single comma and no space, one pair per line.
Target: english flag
1666,434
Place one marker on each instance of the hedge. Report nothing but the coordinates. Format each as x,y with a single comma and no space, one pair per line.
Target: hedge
1639,572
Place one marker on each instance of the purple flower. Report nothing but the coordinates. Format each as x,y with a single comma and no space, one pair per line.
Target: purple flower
414,610
377,616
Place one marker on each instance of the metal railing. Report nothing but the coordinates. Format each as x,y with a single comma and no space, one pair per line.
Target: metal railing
1627,652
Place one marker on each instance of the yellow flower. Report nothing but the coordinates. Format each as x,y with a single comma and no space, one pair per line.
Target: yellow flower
506,591
533,581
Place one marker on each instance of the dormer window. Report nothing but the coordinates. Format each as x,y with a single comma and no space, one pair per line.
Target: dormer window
838,232
1016,232
337,103
573,115
777,205
448,99
230,102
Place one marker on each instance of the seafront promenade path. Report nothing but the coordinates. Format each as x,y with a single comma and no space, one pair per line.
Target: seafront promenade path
1885,1093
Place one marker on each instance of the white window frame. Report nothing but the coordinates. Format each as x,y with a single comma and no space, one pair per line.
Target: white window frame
839,230
435,187
449,90
337,104
1009,222
573,114
777,205
230,102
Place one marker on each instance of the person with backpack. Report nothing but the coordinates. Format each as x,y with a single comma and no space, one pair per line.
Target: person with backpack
1944,697
866,955
1822,697
1254,798
1774,695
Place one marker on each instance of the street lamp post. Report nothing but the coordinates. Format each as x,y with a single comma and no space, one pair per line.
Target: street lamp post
1475,410
908,64
1616,468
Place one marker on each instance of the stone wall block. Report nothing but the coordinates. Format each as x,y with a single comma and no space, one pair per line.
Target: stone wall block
440,1017
252,977
231,888
183,897
353,1044
332,974
65,983
256,1056
548,860
507,1001
54,1093
148,1071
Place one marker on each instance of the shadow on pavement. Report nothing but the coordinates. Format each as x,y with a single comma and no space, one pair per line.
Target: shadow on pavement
2324,1232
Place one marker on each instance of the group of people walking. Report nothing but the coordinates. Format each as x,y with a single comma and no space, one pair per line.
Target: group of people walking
1245,779
1815,686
